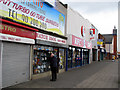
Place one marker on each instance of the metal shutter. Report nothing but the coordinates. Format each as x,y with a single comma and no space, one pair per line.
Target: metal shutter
15,63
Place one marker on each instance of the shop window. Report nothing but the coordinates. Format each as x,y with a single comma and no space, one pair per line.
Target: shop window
85,56
41,59
78,57
61,56
55,51
74,58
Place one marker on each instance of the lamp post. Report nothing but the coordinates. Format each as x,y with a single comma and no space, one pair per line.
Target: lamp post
109,50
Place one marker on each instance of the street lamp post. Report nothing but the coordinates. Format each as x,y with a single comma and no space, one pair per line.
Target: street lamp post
109,50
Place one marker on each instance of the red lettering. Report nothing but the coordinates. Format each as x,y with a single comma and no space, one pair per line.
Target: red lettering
3,37
52,22
54,39
14,5
27,11
4,2
17,39
50,38
43,36
9,3
10,38
41,4
63,41
20,7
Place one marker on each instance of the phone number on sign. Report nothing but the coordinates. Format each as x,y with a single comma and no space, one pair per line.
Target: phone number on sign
26,19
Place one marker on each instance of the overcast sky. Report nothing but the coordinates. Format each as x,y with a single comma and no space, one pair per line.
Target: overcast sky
102,13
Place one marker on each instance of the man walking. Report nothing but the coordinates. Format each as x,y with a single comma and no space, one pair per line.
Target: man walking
53,65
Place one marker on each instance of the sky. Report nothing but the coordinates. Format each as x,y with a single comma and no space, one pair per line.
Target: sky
103,14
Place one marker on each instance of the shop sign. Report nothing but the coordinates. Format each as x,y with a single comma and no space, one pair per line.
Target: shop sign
76,41
50,38
13,38
16,31
92,33
34,13
83,31
100,42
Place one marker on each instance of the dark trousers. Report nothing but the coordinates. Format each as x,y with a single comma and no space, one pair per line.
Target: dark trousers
54,73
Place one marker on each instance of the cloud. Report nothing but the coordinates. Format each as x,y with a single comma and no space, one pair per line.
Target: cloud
93,7
104,15
104,21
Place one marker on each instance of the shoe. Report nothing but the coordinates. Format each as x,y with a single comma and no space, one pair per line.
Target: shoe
52,80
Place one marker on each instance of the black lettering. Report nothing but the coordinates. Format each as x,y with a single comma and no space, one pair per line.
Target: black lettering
9,12
13,13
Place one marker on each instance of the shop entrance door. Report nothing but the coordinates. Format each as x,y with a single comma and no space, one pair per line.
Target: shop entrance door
85,57
94,54
78,57
69,61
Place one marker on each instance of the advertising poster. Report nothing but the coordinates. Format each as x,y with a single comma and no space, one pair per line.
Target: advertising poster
34,13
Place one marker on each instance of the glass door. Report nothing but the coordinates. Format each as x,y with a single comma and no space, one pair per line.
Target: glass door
69,58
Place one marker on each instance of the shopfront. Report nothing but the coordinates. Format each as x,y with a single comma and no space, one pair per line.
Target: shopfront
85,56
45,44
16,47
78,52
74,57
94,54
25,58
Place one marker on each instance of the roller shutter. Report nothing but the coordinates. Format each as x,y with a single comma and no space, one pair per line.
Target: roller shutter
15,63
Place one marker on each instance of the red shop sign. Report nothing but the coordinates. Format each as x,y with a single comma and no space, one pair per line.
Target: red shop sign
16,31
76,41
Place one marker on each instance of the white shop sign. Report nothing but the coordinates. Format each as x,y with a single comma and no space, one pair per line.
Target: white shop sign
50,38
13,38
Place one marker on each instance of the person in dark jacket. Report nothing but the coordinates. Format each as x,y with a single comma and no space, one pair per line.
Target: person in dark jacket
53,65
58,60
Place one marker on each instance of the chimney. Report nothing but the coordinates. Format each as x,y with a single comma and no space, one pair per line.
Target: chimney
114,31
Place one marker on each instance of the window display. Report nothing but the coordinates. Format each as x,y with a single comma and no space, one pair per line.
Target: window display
41,59
61,56
78,57
55,51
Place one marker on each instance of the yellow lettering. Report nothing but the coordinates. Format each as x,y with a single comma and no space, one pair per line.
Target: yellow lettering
5,27
9,28
2,27
14,29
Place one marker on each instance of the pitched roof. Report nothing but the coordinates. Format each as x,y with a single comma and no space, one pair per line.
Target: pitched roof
108,38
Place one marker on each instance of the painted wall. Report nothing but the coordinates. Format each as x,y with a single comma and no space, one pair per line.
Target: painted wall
94,41
74,23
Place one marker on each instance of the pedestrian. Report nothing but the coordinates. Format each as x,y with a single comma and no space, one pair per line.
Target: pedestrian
53,65
58,60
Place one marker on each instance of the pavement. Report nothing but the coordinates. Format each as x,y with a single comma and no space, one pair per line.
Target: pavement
103,74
